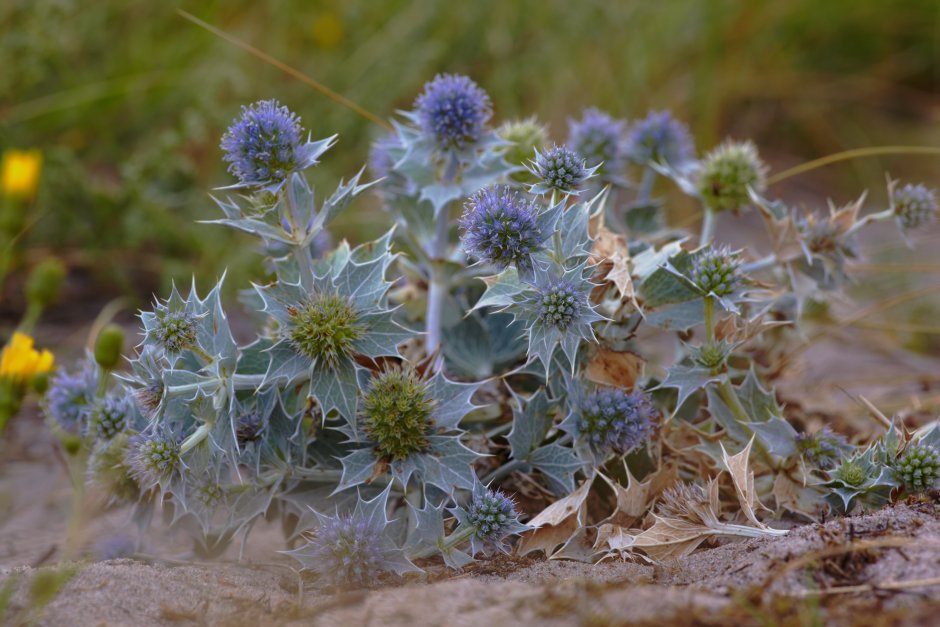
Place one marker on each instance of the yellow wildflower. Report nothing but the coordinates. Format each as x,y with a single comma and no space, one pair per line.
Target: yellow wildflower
19,172
327,30
20,362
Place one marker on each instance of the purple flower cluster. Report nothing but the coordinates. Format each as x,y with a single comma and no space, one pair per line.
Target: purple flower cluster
614,421
915,205
493,515
110,416
559,303
348,549
659,137
824,448
453,110
500,226
598,137
264,145
561,169
69,399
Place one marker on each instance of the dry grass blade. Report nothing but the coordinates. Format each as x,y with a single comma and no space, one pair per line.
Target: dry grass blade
320,87
846,155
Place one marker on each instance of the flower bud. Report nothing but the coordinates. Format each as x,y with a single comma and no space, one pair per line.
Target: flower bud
44,284
109,346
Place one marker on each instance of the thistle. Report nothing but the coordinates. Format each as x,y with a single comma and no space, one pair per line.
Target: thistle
324,326
153,459
918,468
659,137
396,414
108,468
526,137
611,421
727,172
68,401
411,428
599,138
353,548
914,205
503,227
822,449
249,428
453,111
490,517
265,145
860,478
556,310
109,417
559,170
716,271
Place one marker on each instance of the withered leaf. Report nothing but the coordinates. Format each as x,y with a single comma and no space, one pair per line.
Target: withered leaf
614,368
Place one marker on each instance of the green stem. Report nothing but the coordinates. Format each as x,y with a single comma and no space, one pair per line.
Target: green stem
709,319
459,536
728,395
197,436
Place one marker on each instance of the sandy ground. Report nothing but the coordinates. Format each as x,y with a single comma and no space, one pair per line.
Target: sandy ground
883,568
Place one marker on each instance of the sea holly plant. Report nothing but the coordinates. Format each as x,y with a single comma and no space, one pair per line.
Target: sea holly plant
504,337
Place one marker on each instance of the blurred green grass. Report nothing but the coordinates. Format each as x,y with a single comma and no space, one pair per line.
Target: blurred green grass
127,100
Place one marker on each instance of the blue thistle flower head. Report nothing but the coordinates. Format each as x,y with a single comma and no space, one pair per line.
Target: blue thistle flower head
110,416
353,548
69,399
493,516
153,459
598,137
501,227
659,137
612,421
824,448
265,145
557,312
453,110
559,169
914,205
919,467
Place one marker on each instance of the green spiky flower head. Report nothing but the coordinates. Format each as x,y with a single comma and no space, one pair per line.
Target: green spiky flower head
919,467
326,326
716,271
726,174
526,136
325,323
396,414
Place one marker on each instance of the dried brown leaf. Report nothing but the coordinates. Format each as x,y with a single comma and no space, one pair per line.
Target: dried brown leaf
615,368
557,523
743,479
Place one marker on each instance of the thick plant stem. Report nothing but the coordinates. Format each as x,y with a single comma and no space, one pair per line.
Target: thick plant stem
301,250
871,218
437,288
708,228
646,186
760,264
459,536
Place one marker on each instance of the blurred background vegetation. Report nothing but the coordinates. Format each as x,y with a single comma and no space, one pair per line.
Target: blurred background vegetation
126,100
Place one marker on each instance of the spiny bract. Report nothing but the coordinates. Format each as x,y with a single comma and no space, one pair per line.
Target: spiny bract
152,459
559,169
